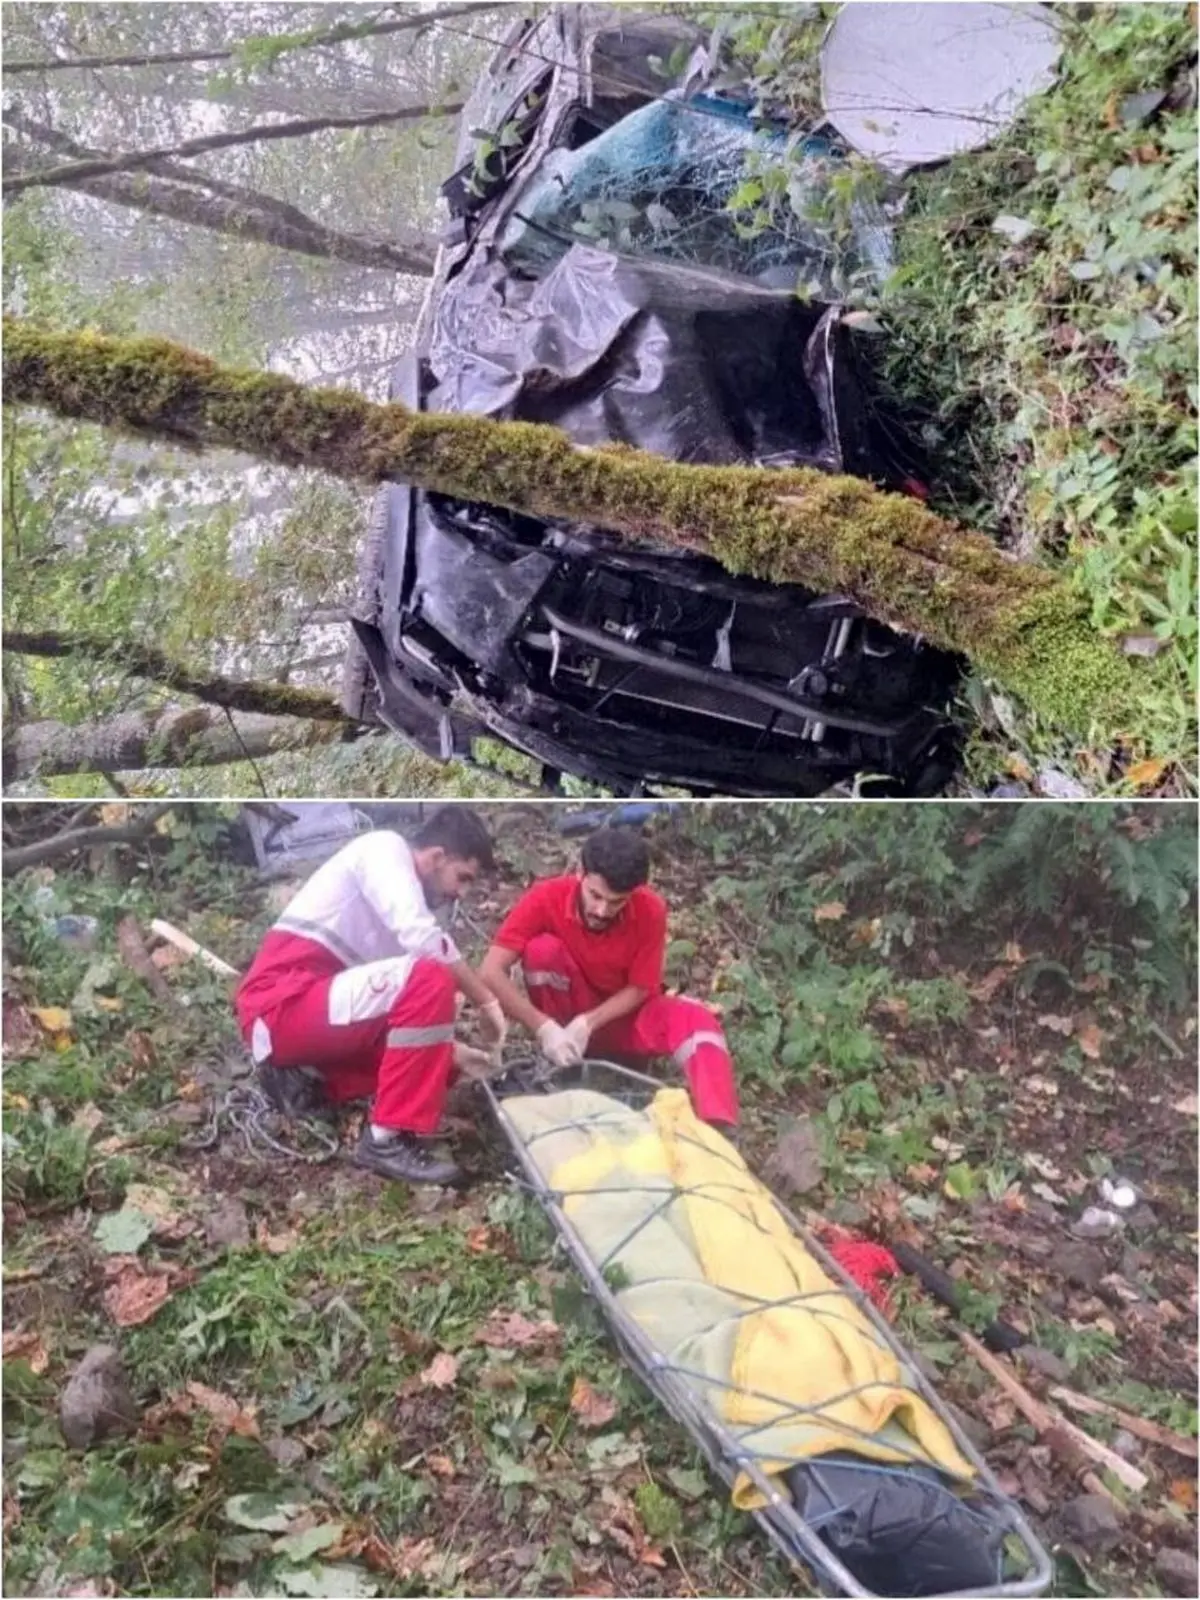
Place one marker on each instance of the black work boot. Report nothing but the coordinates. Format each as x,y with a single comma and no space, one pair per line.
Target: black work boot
405,1157
294,1091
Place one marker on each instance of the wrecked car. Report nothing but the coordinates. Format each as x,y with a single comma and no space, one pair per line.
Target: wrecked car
596,278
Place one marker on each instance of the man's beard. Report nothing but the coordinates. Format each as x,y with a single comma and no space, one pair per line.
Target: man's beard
592,923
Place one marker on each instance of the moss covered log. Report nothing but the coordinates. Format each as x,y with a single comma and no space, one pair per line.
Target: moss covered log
894,557
268,699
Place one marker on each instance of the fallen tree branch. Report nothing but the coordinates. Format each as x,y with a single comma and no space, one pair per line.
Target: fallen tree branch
1072,1443
829,534
1142,1427
31,855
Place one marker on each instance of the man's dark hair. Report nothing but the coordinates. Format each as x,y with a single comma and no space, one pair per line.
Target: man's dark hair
460,832
618,855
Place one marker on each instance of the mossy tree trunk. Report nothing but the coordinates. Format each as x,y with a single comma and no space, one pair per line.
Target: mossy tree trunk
898,560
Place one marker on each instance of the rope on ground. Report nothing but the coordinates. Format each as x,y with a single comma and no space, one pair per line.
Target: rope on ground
242,1111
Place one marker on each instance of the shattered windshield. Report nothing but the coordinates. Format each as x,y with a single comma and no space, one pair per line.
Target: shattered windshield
676,180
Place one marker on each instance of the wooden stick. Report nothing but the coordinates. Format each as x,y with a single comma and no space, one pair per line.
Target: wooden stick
1153,1432
184,941
1055,1429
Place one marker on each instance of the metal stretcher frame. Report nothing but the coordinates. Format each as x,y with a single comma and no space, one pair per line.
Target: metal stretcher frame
794,1537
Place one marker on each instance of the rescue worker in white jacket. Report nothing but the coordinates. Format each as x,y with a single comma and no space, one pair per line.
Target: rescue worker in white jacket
358,981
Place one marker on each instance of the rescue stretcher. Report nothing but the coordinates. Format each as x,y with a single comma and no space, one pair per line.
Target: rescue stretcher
810,1512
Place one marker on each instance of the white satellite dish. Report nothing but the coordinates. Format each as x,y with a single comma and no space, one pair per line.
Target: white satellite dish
910,84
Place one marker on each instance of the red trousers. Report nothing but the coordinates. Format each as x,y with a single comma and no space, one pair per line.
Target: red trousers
384,1029
665,1025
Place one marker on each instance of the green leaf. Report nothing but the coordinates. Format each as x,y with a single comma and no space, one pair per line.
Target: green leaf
510,1473
961,1181
124,1232
40,1468
300,1546
613,1450
688,1482
339,1583
270,1513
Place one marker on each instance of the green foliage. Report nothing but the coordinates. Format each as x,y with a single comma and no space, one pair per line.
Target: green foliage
1041,327
45,1161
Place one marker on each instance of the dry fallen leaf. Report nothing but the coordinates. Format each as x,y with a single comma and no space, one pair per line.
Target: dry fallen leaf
277,1243
26,1346
1038,1085
1145,774
55,1019
506,1328
592,1409
832,911
167,955
441,1371
440,1466
1189,1106
1013,954
1183,1492
134,1296
88,1118
412,1556
1090,1039
921,1172
223,1408
986,988
21,1038
1063,1025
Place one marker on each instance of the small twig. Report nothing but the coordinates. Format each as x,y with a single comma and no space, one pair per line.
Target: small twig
1161,1033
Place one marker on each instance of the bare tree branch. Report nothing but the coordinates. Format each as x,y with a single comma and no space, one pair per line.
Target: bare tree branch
42,133
76,171
226,208
336,35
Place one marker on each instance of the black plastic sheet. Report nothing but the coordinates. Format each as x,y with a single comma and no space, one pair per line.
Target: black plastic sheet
693,365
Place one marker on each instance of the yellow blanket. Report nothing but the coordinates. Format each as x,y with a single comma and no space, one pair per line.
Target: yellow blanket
707,1267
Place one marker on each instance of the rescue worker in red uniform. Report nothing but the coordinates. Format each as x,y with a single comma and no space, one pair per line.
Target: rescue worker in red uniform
357,985
592,946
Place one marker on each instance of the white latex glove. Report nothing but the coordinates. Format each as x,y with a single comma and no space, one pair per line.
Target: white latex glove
473,1064
494,1025
559,1049
579,1031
